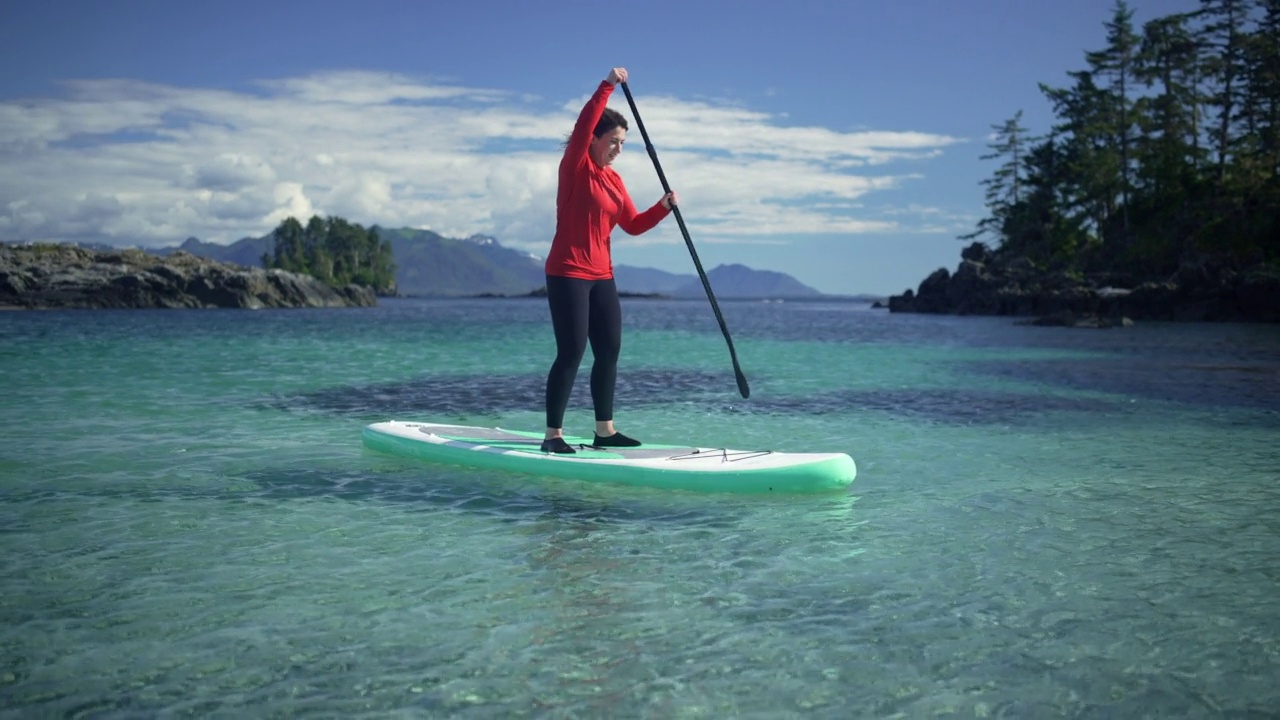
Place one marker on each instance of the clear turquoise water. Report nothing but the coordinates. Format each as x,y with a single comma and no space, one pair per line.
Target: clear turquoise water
1046,522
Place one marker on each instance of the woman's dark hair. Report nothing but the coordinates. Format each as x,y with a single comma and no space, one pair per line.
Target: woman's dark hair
608,121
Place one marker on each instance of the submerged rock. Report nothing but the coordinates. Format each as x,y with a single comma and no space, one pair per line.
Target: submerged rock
67,276
1066,318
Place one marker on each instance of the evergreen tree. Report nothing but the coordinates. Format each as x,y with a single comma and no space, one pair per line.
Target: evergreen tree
1004,188
1169,60
1223,34
1118,64
334,250
1263,53
290,253
1088,171
1164,150
1040,228
313,243
1170,156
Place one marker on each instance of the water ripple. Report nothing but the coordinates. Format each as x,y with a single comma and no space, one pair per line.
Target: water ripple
488,396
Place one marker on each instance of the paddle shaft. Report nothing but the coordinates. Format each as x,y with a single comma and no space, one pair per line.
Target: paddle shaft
693,252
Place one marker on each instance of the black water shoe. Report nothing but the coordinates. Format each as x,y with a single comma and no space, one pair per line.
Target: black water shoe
557,445
615,440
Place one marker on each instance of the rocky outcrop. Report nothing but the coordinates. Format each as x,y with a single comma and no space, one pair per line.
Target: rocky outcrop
67,276
986,284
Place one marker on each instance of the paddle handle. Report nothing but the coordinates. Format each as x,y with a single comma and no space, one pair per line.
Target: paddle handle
693,252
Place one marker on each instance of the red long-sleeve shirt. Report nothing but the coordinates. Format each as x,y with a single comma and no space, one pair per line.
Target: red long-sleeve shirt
590,201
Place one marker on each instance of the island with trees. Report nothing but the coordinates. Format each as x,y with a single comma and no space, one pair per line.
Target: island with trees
1154,195
335,251
329,263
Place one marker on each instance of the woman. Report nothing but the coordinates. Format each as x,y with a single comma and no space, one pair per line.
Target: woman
581,292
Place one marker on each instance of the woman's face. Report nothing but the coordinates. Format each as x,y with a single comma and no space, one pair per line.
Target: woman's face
606,147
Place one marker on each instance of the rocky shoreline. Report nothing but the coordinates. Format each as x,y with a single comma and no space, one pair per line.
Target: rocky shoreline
986,284
49,276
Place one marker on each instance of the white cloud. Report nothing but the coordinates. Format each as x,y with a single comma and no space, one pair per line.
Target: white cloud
129,162
290,201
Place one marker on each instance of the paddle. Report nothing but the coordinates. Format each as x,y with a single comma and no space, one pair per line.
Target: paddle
706,285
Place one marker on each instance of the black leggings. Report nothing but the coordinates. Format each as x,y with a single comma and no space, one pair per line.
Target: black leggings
582,311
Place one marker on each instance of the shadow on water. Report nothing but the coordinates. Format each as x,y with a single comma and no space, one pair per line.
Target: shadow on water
956,407
460,396
1214,382
487,394
426,488
503,498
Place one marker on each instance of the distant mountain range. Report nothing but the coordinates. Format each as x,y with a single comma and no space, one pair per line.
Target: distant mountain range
429,264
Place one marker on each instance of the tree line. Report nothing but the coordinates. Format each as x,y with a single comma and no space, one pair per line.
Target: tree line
333,250
1165,150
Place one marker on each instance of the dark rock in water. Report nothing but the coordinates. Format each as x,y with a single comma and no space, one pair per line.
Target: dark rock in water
67,276
989,283
1067,318
1260,288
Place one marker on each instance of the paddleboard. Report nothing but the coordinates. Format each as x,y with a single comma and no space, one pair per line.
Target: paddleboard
673,467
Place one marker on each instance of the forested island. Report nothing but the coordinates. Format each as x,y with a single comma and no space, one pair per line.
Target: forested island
328,263
46,276
1155,194
335,251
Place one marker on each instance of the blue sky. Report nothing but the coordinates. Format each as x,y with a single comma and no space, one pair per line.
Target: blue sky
838,142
